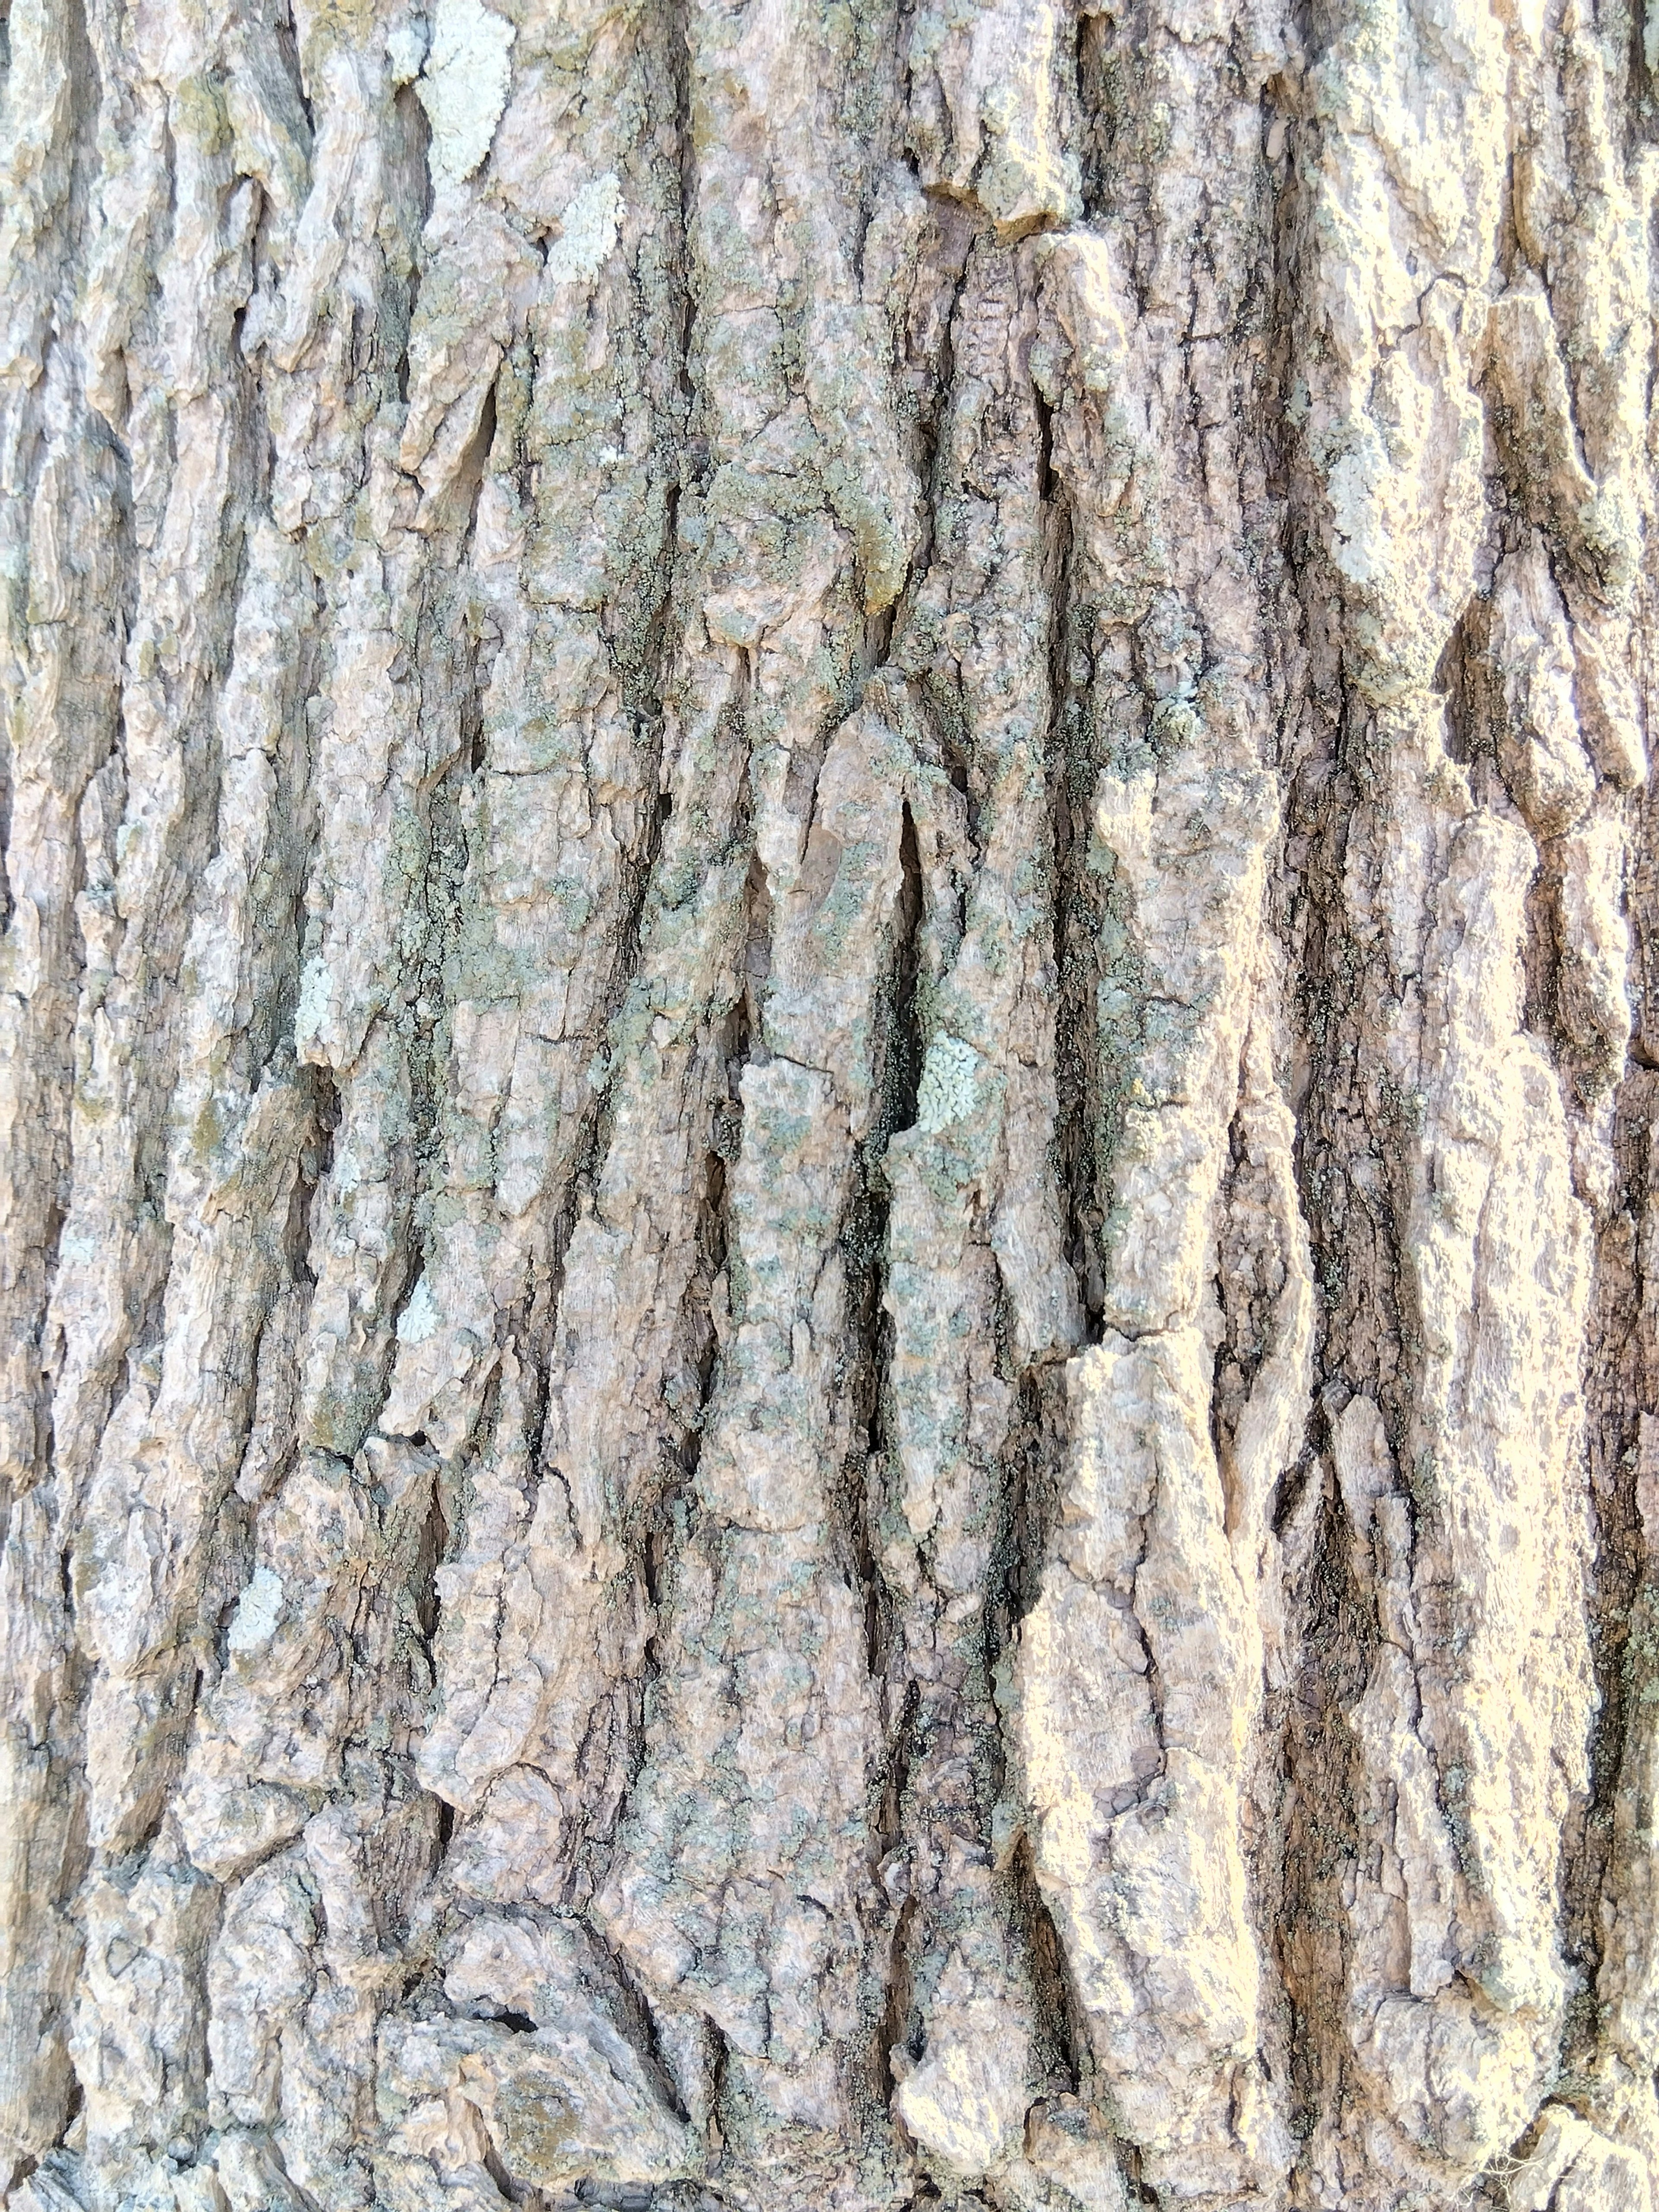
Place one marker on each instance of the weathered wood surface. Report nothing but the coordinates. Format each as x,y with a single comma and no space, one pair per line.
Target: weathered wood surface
825,1084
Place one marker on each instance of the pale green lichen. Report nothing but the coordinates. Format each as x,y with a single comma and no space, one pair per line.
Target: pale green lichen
258,1612
405,50
419,1318
948,1092
316,987
1362,549
464,86
587,231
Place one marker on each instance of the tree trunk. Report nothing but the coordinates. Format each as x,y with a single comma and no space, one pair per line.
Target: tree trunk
825,1120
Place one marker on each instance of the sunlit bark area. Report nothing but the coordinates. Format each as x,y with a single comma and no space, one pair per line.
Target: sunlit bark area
826,1086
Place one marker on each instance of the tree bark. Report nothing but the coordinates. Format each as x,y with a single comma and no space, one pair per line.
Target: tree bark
826,1105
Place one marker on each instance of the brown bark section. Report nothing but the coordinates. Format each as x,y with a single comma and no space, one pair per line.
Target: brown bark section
825,1106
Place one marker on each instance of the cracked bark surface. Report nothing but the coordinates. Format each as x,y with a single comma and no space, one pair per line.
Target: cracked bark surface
827,1103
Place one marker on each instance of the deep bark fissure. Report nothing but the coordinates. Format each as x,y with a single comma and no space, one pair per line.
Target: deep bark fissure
1077,919
866,1360
1334,1629
1061,2063
1618,1382
897,2024
1310,1950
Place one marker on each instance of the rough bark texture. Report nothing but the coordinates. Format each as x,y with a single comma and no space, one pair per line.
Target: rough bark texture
828,1204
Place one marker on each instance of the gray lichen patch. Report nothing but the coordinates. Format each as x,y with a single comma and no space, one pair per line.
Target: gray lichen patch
948,1092
463,85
